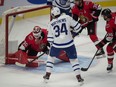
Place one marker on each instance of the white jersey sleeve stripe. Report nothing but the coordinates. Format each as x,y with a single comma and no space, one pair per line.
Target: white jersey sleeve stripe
77,30
50,39
77,27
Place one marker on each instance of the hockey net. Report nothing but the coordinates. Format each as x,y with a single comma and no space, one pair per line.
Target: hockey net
18,22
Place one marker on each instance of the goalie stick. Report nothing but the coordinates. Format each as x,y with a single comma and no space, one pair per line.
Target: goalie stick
35,58
85,69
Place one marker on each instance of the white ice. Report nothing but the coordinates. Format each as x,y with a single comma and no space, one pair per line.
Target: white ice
96,76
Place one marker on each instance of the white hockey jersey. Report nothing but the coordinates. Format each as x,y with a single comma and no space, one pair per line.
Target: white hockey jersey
59,31
63,4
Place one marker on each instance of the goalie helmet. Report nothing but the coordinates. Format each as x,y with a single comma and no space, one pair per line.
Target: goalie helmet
37,32
55,11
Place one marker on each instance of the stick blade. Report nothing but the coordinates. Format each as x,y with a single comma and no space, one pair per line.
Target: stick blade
84,69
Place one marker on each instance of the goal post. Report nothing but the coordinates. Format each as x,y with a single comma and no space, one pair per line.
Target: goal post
9,19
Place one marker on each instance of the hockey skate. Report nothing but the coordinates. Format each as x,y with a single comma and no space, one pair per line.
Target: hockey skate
109,68
80,80
100,54
46,77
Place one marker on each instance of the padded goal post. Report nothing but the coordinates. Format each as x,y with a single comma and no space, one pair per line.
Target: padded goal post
8,20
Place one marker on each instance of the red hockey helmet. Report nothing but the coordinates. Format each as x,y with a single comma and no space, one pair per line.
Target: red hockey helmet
36,31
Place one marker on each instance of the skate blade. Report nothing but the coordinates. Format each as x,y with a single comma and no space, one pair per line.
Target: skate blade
101,56
109,71
46,80
81,83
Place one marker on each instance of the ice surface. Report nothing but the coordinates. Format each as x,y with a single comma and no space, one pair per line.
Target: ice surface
96,76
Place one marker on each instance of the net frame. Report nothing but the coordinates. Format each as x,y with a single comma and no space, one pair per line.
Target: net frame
12,12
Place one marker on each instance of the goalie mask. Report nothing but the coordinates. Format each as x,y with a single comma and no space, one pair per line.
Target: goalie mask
37,32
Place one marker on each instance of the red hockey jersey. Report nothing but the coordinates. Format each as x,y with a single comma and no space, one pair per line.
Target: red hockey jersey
85,14
111,26
36,45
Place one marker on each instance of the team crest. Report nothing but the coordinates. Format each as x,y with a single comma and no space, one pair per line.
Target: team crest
42,46
83,18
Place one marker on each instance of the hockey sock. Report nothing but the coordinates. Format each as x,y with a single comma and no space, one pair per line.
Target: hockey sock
49,64
75,66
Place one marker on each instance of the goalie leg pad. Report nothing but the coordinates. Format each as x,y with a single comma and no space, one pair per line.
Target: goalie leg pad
11,59
22,57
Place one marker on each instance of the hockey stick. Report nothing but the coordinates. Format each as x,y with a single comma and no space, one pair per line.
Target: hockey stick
35,58
85,69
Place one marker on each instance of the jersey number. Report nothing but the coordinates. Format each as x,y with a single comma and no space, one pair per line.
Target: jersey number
61,29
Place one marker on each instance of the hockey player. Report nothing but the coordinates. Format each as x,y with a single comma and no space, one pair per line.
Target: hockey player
60,37
110,37
64,5
35,42
87,13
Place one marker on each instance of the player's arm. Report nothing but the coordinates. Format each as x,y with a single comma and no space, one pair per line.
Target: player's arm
75,17
76,26
96,8
108,38
71,3
25,44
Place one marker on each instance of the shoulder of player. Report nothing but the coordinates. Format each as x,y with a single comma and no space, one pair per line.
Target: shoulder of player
87,3
30,36
64,15
74,7
110,24
113,14
44,30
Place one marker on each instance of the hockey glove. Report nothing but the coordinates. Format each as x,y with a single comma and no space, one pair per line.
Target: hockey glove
47,48
95,19
102,43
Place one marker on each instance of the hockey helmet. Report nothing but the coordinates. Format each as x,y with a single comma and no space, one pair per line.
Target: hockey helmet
36,31
106,12
55,11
